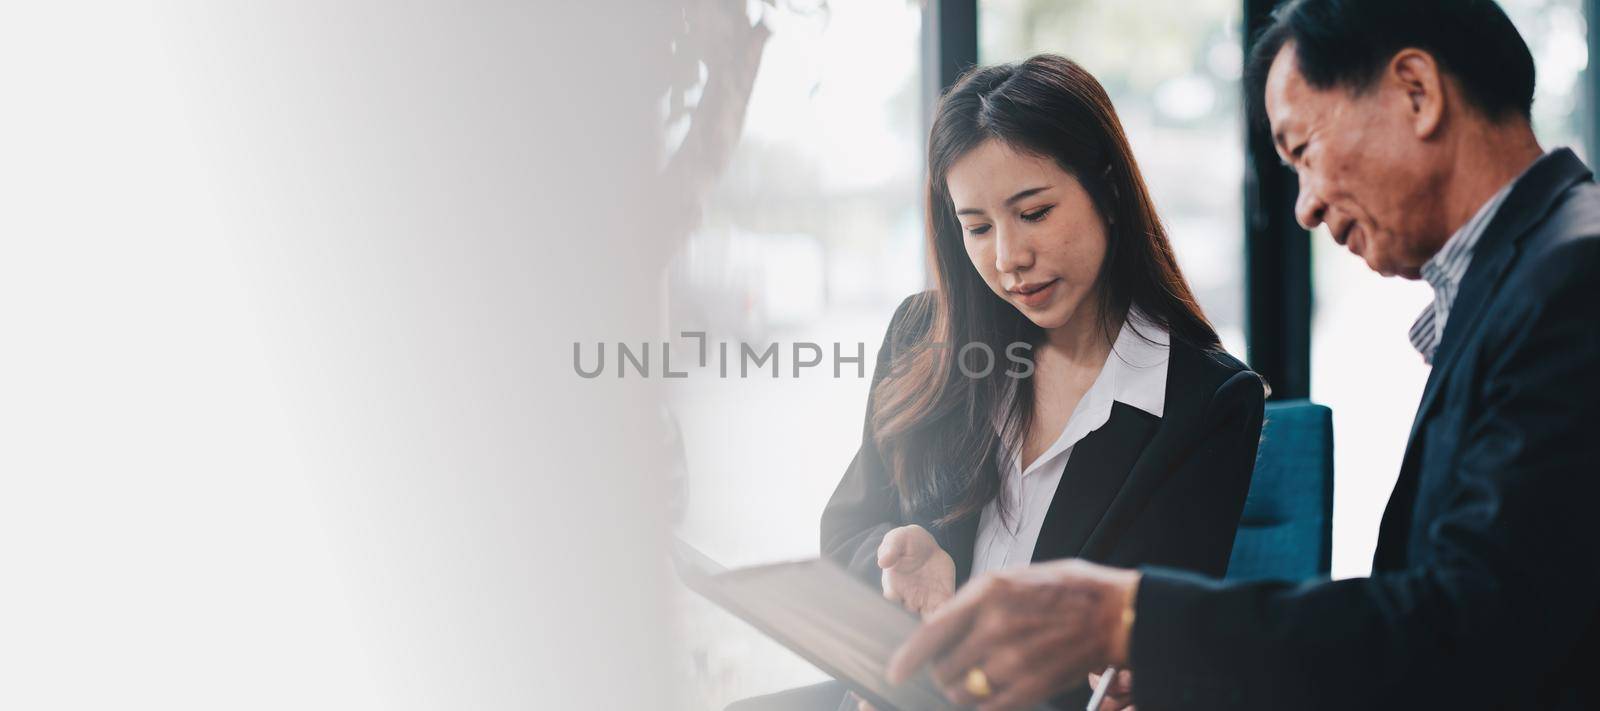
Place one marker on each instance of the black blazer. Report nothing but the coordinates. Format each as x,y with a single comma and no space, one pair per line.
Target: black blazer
1485,591
1140,490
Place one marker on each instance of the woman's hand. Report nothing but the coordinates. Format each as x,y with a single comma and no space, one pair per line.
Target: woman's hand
917,573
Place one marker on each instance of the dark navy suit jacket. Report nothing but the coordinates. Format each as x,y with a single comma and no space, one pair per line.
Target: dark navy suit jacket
1485,592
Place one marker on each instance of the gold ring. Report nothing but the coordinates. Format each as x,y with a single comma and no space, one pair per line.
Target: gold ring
978,683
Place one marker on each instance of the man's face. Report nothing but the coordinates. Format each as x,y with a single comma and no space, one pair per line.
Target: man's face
1364,171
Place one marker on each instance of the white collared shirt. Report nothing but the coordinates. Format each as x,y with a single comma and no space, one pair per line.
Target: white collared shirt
1135,374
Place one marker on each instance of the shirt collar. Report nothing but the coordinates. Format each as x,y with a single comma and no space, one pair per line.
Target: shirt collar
1134,374
1444,270
1139,362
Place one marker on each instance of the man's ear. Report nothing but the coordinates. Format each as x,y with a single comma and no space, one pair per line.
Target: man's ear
1416,74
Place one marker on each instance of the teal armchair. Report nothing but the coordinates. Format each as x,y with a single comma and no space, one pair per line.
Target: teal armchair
1286,531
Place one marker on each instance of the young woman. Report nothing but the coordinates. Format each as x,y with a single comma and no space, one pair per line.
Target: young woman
1111,425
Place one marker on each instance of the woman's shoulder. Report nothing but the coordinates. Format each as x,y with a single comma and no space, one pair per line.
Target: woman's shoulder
1213,371
919,304
912,318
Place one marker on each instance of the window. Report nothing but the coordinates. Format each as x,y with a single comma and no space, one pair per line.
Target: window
1172,69
813,234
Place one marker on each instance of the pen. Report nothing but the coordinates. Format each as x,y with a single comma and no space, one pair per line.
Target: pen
1100,689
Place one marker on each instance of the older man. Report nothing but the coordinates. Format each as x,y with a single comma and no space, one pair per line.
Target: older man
1408,124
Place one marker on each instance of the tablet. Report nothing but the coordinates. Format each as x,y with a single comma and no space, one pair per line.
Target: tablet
821,613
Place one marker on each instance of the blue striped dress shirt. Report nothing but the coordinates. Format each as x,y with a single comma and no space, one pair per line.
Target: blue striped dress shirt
1444,272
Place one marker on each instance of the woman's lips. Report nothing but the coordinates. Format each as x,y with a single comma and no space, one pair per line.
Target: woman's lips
1037,295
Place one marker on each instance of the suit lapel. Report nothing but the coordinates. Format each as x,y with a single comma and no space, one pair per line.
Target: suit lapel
1481,281
1531,198
1173,437
1095,473
959,537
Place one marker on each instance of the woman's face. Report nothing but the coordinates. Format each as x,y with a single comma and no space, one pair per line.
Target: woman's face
1030,229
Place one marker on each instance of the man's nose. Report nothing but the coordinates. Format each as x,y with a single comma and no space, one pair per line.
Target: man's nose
1309,209
1012,252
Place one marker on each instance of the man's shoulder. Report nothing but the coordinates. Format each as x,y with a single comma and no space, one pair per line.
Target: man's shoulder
1552,287
1574,218
1563,250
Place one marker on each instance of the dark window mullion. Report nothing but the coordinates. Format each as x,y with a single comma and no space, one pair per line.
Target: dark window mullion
1277,255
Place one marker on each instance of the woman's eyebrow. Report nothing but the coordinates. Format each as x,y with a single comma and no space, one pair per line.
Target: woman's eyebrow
1021,195
1024,194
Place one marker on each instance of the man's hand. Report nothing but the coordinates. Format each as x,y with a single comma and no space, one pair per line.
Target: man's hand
917,573
1033,631
1119,696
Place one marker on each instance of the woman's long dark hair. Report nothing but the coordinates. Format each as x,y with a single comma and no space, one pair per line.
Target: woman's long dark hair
932,422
